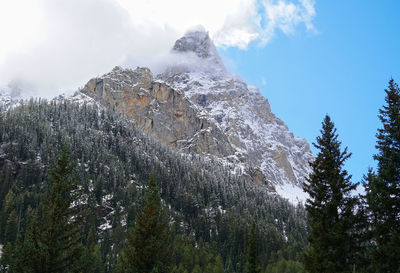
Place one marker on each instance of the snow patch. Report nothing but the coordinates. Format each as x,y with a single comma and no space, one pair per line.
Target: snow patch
292,193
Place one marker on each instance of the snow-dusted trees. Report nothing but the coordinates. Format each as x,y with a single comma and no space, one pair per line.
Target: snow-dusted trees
148,248
114,161
52,241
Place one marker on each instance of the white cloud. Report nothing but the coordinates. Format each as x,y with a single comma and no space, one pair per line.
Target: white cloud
57,45
20,25
79,40
286,16
230,22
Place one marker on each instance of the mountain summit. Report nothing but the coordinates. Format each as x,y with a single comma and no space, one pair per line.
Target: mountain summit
198,42
211,113
198,52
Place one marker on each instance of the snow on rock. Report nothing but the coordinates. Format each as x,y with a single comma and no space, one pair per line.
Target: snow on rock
292,193
242,113
77,97
199,44
197,107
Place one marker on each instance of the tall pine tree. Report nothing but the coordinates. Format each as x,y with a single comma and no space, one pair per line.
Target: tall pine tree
52,242
383,187
148,248
252,265
330,207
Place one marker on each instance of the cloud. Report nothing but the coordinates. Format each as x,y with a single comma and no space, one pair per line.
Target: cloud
234,23
20,25
56,45
286,16
79,40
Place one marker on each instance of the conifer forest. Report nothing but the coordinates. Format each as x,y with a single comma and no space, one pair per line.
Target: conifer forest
83,189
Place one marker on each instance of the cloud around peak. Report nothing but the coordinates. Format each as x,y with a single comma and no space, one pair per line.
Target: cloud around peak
58,45
231,23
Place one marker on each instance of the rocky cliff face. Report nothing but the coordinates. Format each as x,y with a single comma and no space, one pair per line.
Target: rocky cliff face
159,110
198,107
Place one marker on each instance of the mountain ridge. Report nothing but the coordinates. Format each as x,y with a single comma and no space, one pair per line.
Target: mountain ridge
196,106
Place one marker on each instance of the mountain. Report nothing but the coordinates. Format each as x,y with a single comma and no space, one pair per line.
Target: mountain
114,159
14,93
219,153
197,107
9,97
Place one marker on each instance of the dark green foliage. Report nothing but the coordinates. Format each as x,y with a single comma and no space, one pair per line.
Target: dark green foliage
92,255
383,188
285,266
190,256
114,161
148,249
252,265
59,241
52,241
330,207
28,254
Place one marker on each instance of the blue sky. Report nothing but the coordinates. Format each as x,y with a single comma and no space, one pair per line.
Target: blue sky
341,69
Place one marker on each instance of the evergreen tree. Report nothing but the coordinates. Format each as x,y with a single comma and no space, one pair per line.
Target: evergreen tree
252,265
114,158
148,247
92,257
383,188
284,266
330,207
219,265
52,241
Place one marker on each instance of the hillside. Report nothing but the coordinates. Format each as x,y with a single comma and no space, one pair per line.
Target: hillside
114,160
196,107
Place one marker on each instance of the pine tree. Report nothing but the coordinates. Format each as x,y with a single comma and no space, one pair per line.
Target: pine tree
252,265
383,188
92,256
219,265
27,254
52,241
330,207
148,246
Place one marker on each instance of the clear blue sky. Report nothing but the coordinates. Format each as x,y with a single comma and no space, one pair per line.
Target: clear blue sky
342,70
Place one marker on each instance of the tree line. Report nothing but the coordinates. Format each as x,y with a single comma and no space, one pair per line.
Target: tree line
53,243
210,208
60,217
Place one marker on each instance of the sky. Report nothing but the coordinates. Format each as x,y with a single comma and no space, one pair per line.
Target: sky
340,69
308,57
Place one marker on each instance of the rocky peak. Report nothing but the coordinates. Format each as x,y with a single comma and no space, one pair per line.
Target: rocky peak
198,108
200,43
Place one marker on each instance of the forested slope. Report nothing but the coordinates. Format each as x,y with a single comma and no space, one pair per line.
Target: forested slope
114,162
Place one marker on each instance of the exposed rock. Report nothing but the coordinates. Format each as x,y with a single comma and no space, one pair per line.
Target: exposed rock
208,112
198,42
159,110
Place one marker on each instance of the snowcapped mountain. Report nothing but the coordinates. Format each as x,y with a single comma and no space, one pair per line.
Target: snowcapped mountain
9,98
197,106
12,95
